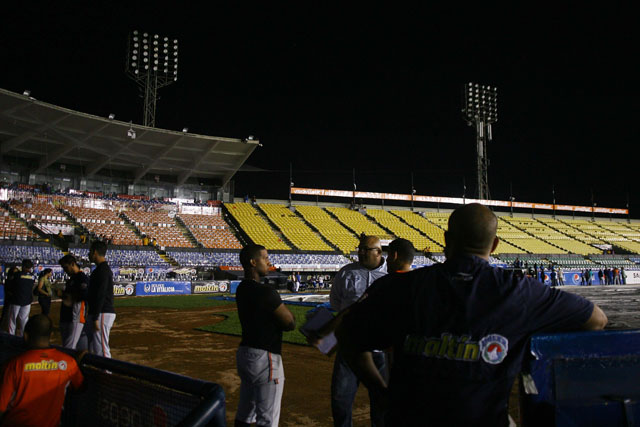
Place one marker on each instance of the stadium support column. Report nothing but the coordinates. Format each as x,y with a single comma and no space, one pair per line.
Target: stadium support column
150,98
481,110
482,160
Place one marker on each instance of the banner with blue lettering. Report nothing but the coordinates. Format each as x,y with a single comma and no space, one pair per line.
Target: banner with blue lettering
163,288
158,269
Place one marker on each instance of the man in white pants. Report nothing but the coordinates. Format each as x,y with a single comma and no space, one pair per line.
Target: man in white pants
101,312
73,310
263,317
21,289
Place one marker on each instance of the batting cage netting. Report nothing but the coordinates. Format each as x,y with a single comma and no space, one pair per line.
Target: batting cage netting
118,393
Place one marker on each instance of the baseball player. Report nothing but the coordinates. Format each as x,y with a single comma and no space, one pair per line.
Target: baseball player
21,289
101,312
73,311
263,317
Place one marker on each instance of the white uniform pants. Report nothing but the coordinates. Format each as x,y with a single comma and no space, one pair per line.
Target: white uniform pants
17,319
99,344
70,333
262,382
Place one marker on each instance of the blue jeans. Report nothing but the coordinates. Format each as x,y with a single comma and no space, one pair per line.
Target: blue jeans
344,385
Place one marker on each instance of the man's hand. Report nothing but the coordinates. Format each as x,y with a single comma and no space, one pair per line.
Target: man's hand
96,325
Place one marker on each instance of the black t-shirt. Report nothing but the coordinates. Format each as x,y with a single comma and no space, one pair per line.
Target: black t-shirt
100,296
256,304
459,332
77,286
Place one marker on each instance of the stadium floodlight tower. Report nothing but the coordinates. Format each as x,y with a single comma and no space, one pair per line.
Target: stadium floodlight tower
152,62
481,109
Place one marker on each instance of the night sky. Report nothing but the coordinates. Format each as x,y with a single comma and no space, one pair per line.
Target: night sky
378,89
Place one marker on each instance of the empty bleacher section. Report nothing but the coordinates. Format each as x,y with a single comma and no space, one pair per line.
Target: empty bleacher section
619,235
41,214
580,242
399,228
211,231
519,238
330,229
159,226
38,253
205,259
256,228
430,229
124,257
358,223
542,232
294,228
104,224
613,260
12,229
318,262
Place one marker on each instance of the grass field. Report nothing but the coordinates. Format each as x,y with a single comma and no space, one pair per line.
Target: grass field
230,325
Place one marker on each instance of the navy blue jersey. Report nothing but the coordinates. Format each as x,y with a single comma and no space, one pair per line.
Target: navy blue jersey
459,331
22,289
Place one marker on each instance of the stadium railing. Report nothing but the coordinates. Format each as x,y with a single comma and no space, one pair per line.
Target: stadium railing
120,393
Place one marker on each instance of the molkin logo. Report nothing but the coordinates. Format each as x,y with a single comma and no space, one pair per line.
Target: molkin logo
493,348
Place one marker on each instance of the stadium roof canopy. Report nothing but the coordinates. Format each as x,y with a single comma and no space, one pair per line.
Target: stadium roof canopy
50,134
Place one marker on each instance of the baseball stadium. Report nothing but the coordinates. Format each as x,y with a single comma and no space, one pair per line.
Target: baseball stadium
164,203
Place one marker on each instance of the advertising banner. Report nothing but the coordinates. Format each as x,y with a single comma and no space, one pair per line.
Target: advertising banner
124,289
158,269
1,295
217,286
163,288
55,268
452,200
633,277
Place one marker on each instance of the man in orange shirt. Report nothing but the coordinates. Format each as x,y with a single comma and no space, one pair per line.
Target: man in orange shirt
34,383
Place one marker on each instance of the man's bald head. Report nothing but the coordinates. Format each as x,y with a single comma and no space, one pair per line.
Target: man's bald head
472,230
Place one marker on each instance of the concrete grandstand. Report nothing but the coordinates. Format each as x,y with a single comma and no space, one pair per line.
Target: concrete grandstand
164,201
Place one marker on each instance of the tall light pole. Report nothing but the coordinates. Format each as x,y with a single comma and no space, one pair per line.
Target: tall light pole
481,110
152,62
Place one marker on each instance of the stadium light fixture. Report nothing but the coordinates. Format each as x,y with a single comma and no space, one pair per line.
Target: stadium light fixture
112,116
152,62
250,137
27,92
185,130
481,110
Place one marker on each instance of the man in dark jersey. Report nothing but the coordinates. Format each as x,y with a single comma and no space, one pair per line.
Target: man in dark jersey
263,317
101,312
73,310
459,330
21,290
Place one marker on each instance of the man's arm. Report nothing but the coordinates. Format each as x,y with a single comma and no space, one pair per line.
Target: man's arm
361,362
285,318
597,321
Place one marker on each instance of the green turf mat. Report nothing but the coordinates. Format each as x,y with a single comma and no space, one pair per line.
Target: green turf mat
171,301
231,325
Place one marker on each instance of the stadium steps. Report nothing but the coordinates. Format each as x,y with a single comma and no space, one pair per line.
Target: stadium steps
402,220
315,230
42,236
276,230
234,226
187,233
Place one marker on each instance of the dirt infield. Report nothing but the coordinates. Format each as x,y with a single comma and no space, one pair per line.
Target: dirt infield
167,339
